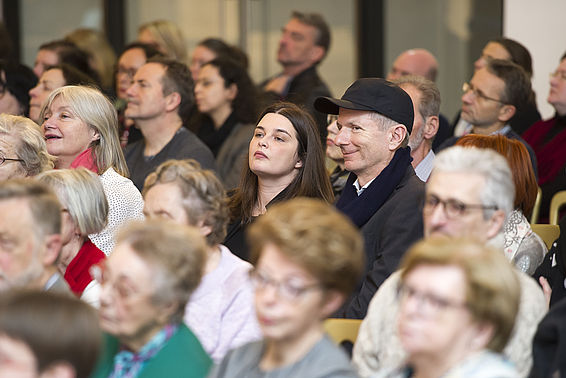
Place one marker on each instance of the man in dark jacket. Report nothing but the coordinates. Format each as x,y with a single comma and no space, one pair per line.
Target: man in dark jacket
303,45
382,195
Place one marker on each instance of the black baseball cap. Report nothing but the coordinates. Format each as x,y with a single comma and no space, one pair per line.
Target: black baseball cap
374,95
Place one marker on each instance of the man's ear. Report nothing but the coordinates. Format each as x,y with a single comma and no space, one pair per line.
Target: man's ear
431,127
495,224
396,136
172,101
316,54
52,248
506,113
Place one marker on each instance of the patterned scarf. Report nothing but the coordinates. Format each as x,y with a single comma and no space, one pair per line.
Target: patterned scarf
129,365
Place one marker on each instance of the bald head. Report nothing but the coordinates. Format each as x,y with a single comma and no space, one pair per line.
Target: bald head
419,62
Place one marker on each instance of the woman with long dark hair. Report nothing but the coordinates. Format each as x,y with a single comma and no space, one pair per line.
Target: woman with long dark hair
285,160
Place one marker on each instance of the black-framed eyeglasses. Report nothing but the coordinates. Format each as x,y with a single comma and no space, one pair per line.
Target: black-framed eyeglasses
467,87
453,208
4,159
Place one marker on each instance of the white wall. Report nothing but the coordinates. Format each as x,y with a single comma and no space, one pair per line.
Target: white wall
539,25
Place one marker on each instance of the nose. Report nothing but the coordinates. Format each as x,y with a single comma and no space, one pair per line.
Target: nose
266,295
198,87
479,63
48,123
435,218
342,137
467,97
33,92
131,90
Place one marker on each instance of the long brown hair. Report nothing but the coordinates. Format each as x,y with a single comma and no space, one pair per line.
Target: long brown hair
310,181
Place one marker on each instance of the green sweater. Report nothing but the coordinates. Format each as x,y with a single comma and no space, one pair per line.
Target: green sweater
181,356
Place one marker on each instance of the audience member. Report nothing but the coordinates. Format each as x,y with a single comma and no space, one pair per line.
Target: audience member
52,78
15,82
226,98
285,160
132,58
160,101
551,273
212,48
458,301
220,311
23,152
101,55
491,99
426,105
61,51
146,284
548,138
304,43
166,37
30,226
296,290
421,62
523,247
85,211
81,129
469,194
548,344
382,195
513,51
47,335
338,175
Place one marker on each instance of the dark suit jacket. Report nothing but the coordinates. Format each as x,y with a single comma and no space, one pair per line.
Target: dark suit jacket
387,235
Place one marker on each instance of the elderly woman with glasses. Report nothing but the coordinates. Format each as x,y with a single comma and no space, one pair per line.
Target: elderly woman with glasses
297,288
146,284
221,311
80,126
23,152
85,211
458,302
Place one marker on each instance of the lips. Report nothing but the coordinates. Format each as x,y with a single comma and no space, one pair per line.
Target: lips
260,155
52,136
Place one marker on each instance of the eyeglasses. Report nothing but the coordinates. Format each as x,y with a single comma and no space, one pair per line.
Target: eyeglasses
99,274
453,208
466,87
285,289
428,303
4,159
558,74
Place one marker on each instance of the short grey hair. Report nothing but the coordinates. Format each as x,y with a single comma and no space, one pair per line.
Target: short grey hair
384,123
430,95
30,145
499,189
81,193
176,253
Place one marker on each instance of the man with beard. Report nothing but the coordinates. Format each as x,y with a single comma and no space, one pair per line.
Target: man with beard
30,237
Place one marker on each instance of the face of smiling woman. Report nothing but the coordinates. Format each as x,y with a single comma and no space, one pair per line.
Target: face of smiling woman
66,135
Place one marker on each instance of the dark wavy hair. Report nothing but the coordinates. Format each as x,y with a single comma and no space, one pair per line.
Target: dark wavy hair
311,180
245,103
222,49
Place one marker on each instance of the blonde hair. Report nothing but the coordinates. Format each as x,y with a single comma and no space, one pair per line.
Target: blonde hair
31,147
492,286
168,37
203,196
94,109
315,236
175,252
80,191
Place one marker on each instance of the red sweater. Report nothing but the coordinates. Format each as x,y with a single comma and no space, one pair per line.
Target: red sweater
77,274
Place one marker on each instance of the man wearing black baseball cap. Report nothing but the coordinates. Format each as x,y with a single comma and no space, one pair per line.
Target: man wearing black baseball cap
382,195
